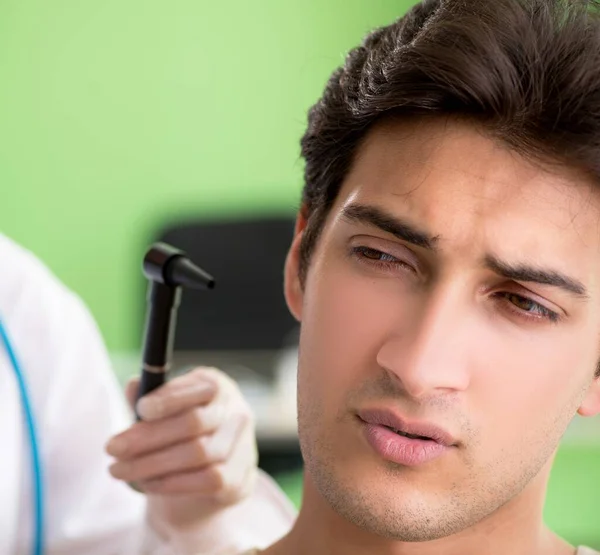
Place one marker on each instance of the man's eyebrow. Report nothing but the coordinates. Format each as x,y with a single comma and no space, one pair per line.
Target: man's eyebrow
523,272
401,229
405,231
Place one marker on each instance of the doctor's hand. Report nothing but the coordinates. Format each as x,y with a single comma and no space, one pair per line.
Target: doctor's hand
193,452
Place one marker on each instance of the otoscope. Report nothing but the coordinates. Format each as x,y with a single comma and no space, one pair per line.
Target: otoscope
168,270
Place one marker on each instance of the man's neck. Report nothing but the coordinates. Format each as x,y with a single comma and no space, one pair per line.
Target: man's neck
516,528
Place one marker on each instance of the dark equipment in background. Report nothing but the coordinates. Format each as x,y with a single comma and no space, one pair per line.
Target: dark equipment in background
247,312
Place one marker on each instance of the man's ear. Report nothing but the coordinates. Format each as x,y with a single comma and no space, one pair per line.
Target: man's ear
591,404
293,289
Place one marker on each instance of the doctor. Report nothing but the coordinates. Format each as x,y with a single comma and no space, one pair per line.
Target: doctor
78,408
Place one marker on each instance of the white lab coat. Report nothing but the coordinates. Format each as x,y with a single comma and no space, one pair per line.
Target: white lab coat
78,406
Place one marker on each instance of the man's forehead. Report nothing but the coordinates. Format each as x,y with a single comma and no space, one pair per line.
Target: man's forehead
439,167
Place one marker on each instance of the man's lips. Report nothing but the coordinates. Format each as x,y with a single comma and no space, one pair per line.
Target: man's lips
420,430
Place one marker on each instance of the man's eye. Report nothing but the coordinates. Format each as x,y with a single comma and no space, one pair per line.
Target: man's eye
529,308
380,259
374,254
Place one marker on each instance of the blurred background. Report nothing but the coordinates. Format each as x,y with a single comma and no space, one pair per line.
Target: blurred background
124,122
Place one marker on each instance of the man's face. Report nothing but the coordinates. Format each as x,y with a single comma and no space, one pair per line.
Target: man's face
456,285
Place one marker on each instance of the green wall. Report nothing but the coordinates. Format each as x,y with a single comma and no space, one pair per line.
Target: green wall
117,115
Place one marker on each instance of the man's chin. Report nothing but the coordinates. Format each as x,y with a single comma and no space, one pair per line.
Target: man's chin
394,509
398,517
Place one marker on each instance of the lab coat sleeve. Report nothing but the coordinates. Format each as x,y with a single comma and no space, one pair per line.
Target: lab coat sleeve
256,522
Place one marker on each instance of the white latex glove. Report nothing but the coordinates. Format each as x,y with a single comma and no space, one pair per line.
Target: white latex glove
194,452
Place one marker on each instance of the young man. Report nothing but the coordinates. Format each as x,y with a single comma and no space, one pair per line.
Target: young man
446,274
202,439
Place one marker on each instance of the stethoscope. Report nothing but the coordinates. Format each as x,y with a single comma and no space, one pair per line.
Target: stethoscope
36,463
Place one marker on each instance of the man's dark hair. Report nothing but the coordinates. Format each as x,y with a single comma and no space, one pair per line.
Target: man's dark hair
526,71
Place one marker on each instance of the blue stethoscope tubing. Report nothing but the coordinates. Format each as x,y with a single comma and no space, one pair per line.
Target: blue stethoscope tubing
36,463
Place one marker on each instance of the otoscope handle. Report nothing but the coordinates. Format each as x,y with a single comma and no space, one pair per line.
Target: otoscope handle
163,302
168,269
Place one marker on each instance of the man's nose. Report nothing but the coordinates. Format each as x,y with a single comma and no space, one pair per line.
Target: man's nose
431,354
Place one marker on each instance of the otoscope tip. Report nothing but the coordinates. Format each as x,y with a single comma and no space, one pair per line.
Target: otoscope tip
166,264
182,271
